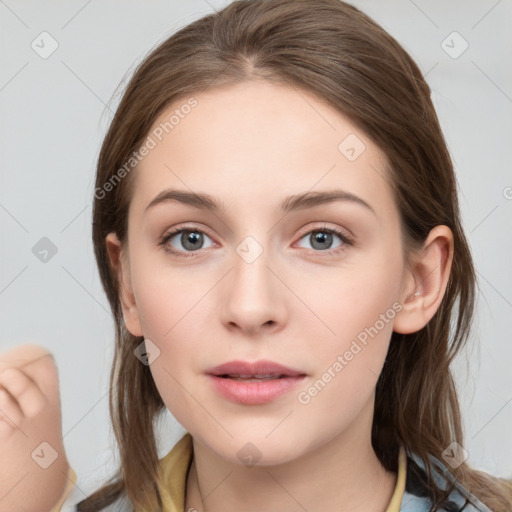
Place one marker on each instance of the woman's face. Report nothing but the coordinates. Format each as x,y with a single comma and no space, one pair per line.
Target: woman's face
263,277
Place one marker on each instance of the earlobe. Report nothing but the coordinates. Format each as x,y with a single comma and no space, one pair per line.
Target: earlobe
426,281
120,266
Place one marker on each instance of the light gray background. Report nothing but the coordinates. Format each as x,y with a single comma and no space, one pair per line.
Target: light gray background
53,118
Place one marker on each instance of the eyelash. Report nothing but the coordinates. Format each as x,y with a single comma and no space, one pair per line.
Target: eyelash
188,254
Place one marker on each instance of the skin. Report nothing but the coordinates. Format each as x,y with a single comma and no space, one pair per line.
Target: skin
30,415
250,146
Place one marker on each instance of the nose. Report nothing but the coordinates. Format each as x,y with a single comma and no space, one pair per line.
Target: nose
252,296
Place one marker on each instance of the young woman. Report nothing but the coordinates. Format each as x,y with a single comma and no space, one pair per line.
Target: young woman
277,231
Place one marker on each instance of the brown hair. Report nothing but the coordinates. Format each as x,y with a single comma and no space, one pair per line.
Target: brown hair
336,52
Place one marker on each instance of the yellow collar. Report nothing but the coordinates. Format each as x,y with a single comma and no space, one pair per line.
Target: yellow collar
174,467
176,464
72,478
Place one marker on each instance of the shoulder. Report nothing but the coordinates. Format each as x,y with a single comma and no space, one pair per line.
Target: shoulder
416,496
174,467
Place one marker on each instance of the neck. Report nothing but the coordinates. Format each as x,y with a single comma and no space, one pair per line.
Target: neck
341,475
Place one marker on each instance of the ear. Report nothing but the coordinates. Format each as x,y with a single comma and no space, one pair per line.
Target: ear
425,281
120,264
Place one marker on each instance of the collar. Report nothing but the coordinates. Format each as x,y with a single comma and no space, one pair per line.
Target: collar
411,492
416,497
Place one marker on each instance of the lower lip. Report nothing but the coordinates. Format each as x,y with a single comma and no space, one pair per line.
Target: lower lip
254,393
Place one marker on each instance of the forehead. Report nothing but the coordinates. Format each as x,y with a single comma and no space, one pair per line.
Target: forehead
256,142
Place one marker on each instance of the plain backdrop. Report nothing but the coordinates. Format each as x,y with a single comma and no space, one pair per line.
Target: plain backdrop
55,111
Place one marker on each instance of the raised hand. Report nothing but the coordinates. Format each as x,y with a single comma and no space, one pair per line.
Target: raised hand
33,463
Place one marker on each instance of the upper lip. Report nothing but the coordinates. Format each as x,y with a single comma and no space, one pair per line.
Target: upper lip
263,367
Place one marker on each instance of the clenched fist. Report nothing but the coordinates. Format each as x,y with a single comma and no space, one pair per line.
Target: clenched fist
33,463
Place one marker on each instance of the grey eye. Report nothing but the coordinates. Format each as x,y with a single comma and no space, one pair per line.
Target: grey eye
322,239
190,240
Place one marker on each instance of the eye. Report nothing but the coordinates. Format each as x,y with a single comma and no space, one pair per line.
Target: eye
187,240
190,239
321,240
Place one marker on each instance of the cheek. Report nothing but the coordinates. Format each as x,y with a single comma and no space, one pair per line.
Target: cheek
350,300
357,308
167,299
342,389
172,312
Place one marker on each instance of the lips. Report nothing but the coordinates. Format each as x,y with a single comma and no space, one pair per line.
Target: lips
254,383
257,370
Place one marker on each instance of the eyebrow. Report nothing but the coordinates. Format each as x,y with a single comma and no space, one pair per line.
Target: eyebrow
301,201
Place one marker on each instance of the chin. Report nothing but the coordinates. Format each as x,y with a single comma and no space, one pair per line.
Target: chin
257,451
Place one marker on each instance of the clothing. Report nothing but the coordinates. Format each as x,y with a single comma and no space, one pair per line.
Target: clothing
72,478
410,494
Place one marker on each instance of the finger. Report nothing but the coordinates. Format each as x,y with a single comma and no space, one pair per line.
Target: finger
10,412
36,360
24,390
22,354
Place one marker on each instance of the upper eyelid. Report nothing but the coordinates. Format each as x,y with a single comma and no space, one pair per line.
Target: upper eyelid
325,227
